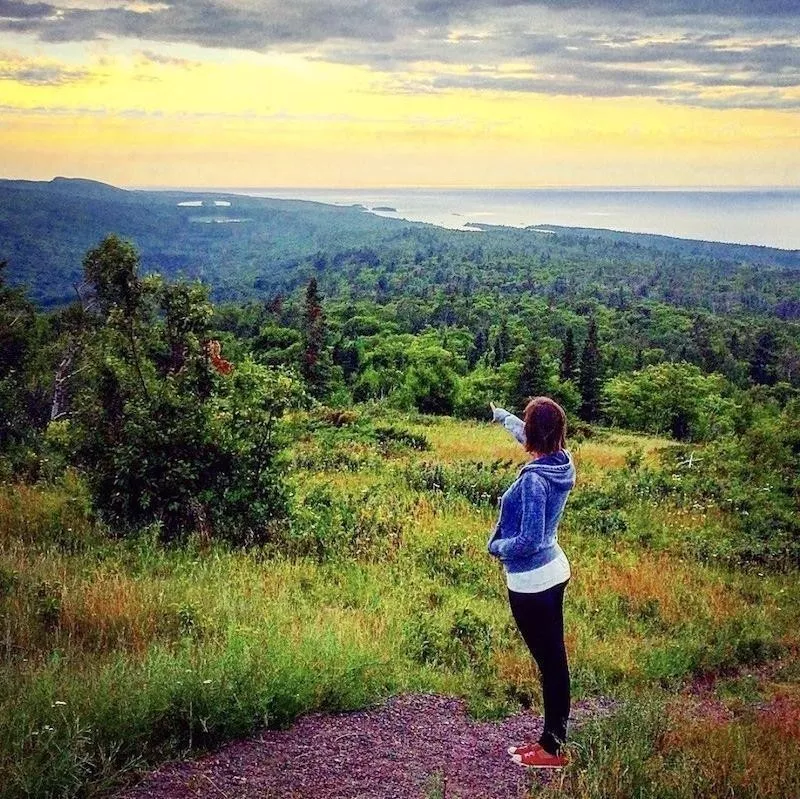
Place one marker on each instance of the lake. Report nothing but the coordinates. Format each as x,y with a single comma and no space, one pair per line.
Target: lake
769,216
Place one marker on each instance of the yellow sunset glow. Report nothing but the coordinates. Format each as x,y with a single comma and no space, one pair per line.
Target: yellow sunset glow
291,120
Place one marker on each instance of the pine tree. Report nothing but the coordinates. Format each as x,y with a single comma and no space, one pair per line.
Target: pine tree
502,345
479,347
532,380
315,365
568,356
591,370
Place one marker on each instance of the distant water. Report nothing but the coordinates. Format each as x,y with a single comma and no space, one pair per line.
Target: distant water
769,217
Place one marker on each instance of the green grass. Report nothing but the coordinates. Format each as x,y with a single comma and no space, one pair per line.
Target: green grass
653,747
118,654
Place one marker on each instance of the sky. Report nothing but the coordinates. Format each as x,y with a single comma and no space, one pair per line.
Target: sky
369,93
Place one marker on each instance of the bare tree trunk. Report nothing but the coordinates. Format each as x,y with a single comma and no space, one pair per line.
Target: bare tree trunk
59,408
60,405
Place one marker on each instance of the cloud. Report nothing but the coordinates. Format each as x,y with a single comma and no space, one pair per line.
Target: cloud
152,57
33,72
610,83
447,9
675,66
204,22
257,24
14,10
604,48
764,99
43,76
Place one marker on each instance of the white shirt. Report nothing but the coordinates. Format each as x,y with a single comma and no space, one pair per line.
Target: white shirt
541,578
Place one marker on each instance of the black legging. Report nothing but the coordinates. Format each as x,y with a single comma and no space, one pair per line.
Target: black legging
540,619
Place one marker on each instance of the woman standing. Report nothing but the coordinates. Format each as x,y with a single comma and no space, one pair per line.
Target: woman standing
537,570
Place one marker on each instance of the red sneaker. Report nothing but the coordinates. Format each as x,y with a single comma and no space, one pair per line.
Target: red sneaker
518,750
537,757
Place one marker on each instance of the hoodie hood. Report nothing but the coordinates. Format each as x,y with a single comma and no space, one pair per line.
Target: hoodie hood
557,470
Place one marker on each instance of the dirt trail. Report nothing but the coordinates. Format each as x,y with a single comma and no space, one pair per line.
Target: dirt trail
412,747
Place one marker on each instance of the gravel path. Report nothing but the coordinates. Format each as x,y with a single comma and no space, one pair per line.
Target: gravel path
412,747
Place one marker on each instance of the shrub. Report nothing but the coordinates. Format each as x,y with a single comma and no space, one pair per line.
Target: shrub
453,563
455,638
387,436
481,483
750,478
165,429
326,525
59,515
670,398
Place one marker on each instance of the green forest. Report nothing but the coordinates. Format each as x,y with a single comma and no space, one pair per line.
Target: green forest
225,472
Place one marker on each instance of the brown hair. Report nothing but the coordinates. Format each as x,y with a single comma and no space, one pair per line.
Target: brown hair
545,426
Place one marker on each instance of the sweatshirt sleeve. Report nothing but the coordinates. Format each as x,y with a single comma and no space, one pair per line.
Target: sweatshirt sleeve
530,532
512,423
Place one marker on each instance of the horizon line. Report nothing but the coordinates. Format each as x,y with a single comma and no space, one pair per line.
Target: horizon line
539,187
429,187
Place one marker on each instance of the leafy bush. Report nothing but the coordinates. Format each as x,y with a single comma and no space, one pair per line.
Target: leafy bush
326,525
345,456
165,430
331,444
59,515
25,357
600,510
394,435
481,483
455,638
741,641
453,562
477,389
414,372
670,398
752,478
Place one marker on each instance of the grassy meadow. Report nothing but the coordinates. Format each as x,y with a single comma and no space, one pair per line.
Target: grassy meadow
117,654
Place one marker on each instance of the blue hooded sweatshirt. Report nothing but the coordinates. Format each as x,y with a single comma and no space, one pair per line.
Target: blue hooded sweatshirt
525,536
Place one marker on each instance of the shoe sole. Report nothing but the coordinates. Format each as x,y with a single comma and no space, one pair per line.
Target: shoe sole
539,765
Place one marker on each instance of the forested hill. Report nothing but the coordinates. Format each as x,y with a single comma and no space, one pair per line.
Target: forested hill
247,247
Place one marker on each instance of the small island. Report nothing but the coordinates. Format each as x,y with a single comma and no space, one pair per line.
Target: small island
387,208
